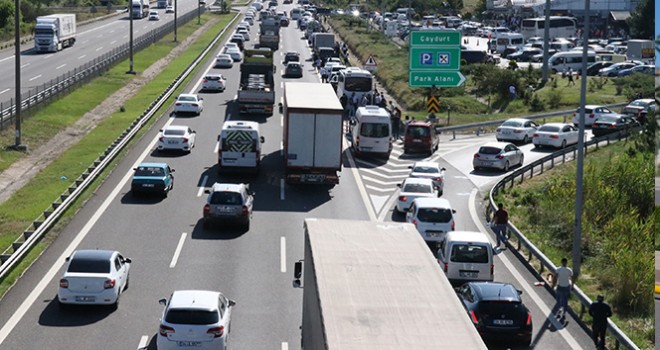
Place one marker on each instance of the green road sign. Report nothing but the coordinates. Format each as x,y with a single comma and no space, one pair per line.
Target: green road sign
438,78
435,38
432,58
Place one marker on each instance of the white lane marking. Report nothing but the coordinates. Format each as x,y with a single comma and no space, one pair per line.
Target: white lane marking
360,185
177,252
7,58
60,66
530,292
217,147
285,345
203,186
281,85
143,342
81,57
46,280
283,254
99,49
282,189
125,36
282,148
25,65
282,121
34,78
112,42
3,91
48,56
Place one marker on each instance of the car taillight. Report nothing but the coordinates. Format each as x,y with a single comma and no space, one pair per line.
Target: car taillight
529,319
161,139
473,316
204,81
554,136
591,115
216,331
499,156
185,139
194,104
476,155
535,135
110,283
438,179
446,267
453,226
612,126
492,269
414,222
165,330
402,198
498,130
245,211
64,283
207,209
177,104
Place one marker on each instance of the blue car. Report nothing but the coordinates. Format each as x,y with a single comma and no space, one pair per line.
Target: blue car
644,69
152,178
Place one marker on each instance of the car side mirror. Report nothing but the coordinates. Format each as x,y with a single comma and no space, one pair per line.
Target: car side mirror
353,122
520,292
443,169
453,211
231,303
297,270
398,185
162,301
172,170
201,99
161,130
67,258
128,260
262,139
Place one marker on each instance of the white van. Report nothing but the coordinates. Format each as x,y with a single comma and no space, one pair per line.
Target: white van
239,147
563,45
372,131
466,256
569,59
504,40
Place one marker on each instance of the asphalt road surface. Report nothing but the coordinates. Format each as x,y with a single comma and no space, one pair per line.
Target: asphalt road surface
171,250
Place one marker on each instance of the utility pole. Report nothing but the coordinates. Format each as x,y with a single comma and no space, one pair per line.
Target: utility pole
199,12
17,53
130,38
546,43
579,186
176,10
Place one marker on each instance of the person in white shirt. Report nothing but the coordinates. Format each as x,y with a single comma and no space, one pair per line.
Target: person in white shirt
563,279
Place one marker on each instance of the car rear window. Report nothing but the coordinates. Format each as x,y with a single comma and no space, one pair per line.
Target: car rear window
212,77
419,188
186,98
375,130
489,150
149,171
175,132
501,307
468,253
226,198
417,131
425,170
549,128
89,265
191,316
512,123
434,215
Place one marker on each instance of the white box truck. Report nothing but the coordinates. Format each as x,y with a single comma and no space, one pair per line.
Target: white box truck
313,133
639,49
139,9
376,285
54,32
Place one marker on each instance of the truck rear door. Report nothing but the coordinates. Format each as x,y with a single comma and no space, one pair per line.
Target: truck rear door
238,148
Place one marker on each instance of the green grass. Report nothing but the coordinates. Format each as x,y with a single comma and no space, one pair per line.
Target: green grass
28,203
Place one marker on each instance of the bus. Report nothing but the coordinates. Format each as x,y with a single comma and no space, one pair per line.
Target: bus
355,80
560,27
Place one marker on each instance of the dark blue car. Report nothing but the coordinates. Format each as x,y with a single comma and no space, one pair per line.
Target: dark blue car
152,178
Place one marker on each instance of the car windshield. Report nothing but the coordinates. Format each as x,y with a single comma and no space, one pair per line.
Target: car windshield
174,132
417,188
89,265
489,150
513,123
149,171
549,128
434,214
468,253
425,169
231,198
192,316
375,130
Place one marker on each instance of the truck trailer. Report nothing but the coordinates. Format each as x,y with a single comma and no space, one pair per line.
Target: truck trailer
639,49
313,133
256,92
269,32
139,9
163,3
376,285
54,32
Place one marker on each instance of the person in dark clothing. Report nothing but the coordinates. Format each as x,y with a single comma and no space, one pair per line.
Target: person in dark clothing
396,123
500,222
600,311
344,103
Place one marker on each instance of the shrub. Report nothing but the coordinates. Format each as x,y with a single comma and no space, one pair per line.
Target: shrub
536,104
554,98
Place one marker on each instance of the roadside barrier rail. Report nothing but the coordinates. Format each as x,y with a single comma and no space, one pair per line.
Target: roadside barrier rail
534,169
14,254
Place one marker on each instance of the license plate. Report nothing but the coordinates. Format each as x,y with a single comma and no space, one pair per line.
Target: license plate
172,142
468,274
503,322
225,210
189,343
85,299
434,233
417,140
313,178
147,185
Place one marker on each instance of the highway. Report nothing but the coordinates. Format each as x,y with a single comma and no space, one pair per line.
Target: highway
92,41
171,250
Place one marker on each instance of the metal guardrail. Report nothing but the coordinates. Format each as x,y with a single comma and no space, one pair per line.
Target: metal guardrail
22,245
481,125
83,74
536,168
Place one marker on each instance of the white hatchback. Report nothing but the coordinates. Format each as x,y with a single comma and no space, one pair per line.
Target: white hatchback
516,129
189,103
412,188
176,137
195,319
95,277
433,218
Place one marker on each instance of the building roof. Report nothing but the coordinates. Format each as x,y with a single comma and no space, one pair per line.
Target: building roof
620,15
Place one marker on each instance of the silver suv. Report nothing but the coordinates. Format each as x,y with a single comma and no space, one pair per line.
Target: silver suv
228,203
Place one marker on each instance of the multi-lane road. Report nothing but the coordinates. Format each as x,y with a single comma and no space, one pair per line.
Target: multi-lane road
171,250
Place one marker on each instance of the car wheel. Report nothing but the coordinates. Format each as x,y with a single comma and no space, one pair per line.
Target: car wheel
537,146
246,226
563,144
525,140
506,167
115,306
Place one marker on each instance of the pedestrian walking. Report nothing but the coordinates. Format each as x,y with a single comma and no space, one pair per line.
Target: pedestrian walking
396,123
317,63
344,103
354,104
324,75
570,77
383,102
599,311
500,223
512,92
563,280
377,99
364,101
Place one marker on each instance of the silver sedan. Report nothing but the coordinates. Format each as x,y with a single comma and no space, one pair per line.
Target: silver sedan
498,155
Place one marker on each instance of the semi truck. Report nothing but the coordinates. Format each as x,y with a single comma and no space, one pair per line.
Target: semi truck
320,40
164,3
139,9
639,49
256,93
54,32
269,32
376,285
313,133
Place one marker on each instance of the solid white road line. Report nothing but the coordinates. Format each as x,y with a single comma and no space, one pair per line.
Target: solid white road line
285,345
7,58
60,66
281,189
217,147
34,78
99,49
112,42
282,148
25,65
282,121
41,286
81,57
48,56
3,91
529,291
360,185
178,250
203,186
143,342
283,254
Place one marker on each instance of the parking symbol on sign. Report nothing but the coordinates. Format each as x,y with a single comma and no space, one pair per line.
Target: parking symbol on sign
426,58
443,58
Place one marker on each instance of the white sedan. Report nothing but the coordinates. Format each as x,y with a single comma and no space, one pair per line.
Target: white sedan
176,137
234,52
429,170
412,188
214,81
189,103
95,277
557,135
516,129
153,16
224,61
